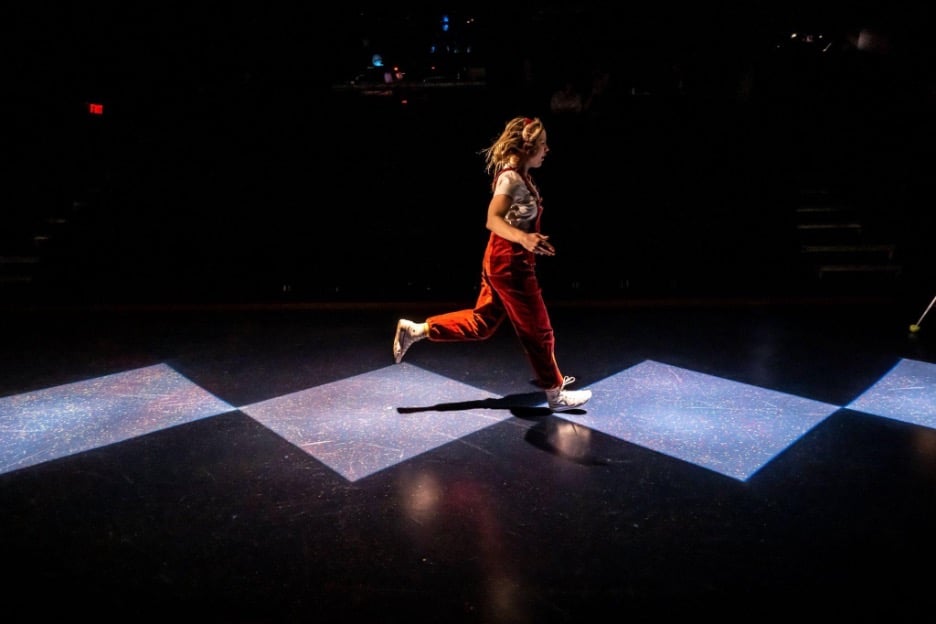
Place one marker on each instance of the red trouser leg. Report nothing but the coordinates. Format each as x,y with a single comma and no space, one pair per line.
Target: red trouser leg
522,298
478,323
516,296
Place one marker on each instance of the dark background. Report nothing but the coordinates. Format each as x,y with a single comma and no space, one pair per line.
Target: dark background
234,163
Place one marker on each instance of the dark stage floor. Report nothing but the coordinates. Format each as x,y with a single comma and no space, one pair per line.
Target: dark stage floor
742,460
201,417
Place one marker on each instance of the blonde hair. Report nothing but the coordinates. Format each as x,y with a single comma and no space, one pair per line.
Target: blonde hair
518,141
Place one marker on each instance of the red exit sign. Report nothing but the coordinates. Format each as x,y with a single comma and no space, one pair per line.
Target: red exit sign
95,108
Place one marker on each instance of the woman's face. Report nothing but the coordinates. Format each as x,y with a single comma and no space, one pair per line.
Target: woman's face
536,159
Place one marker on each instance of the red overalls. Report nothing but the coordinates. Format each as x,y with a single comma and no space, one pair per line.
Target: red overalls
509,289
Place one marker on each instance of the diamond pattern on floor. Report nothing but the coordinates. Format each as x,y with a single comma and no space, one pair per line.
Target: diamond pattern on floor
726,426
907,393
363,424
366,423
46,424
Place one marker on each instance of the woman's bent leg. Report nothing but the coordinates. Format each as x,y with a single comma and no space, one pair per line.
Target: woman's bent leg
478,323
522,298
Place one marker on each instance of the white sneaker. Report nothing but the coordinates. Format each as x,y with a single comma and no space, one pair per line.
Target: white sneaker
561,400
407,332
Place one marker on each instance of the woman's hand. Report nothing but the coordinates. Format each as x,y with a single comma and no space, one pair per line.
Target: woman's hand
538,244
531,241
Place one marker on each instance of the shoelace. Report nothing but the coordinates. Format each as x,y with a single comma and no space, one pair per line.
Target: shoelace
566,381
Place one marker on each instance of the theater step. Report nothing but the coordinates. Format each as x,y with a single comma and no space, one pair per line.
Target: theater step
839,242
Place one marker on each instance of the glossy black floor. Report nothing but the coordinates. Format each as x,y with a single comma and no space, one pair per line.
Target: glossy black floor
224,520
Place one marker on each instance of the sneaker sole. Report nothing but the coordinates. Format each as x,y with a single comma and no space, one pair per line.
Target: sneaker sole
398,350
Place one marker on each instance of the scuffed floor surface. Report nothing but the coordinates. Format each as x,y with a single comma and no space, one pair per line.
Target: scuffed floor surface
274,465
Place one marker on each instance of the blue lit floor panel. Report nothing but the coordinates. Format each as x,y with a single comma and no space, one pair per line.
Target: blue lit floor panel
56,422
363,424
725,426
640,504
907,392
